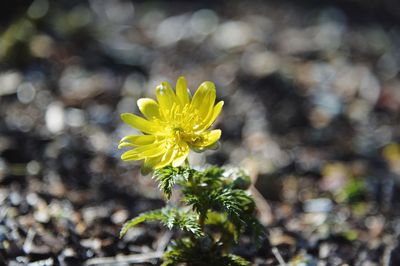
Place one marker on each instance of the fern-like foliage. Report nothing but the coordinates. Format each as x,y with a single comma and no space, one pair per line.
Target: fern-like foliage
169,217
199,253
200,186
168,176
257,230
233,201
233,260
239,208
219,222
211,191
221,211
238,178
156,215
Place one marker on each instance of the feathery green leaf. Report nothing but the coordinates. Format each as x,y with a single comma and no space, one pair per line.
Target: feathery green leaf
169,217
168,176
199,253
147,216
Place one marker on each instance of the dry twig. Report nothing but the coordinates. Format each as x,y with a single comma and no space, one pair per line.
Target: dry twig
125,260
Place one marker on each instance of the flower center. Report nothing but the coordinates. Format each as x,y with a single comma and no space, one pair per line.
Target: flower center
181,123
179,135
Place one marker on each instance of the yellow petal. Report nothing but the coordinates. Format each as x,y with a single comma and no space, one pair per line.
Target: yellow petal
134,140
144,151
182,91
125,144
209,120
204,98
166,159
208,138
130,156
140,123
181,155
165,96
149,108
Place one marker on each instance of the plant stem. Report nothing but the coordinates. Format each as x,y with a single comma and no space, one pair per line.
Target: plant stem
187,163
202,216
202,220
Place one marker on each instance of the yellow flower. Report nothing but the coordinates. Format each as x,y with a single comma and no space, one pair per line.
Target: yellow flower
172,125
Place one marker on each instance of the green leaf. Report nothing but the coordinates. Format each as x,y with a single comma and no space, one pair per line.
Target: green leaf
238,179
239,207
200,253
200,203
214,172
147,216
169,217
168,176
229,232
189,223
210,192
235,202
257,230
234,260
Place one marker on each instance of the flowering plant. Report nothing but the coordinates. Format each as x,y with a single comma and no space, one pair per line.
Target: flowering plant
215,208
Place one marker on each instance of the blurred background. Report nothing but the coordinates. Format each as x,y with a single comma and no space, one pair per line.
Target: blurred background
312,111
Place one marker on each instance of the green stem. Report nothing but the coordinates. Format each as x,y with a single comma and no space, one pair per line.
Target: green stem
202,216
187,163
202,219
